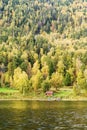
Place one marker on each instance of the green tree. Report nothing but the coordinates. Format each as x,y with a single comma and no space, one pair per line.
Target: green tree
67,79
46,85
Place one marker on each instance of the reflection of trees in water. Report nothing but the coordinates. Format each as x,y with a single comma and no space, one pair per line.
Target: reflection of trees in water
23,105
19,104
35,105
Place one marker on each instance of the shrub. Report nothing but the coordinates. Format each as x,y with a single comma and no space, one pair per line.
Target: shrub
46,85
76,89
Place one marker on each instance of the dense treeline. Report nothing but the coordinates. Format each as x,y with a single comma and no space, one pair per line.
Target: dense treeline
66,17
43,44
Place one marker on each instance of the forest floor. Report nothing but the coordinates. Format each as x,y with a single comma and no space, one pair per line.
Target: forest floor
63,94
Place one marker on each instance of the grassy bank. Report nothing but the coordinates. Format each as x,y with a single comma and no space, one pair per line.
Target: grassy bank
62,94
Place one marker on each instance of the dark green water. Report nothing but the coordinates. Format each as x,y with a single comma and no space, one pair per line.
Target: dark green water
34,115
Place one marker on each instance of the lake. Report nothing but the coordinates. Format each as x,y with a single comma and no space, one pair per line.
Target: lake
37,115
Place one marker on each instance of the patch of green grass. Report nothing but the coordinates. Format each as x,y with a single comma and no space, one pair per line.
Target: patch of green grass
7,90
63,93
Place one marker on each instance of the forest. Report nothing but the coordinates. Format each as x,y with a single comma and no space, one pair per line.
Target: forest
43,45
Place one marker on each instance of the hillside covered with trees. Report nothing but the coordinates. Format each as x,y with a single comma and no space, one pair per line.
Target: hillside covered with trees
43,45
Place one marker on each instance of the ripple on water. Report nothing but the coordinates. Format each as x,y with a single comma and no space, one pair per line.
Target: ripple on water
60,128
54,118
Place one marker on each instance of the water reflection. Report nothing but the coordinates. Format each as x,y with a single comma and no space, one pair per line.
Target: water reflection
33,115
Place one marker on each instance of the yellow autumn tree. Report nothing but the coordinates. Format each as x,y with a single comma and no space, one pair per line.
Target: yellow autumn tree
56,80
36,81
20,80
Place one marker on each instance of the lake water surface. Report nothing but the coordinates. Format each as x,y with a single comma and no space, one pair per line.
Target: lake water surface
36,115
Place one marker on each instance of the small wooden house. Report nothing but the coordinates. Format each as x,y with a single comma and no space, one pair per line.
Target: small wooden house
49,93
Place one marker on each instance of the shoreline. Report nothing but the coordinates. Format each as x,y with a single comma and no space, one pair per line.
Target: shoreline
62,95
42,99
